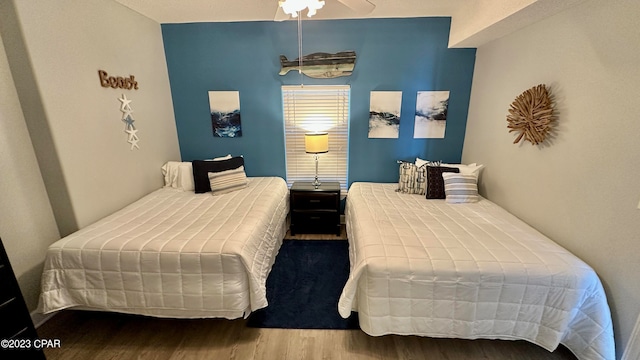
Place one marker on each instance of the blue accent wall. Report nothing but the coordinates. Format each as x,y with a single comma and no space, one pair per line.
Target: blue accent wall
407,55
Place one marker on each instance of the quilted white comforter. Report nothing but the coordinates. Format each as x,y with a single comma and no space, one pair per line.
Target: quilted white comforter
425,267
173,254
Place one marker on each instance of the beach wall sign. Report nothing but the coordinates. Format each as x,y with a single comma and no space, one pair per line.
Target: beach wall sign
117,82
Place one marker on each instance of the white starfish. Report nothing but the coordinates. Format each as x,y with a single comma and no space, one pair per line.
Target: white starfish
125,103
132,134
127,114
134,143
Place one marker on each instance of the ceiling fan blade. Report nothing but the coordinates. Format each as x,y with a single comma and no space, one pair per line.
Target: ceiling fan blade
281,15
361,7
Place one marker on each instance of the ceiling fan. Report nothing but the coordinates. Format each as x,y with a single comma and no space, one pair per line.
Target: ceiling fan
289,8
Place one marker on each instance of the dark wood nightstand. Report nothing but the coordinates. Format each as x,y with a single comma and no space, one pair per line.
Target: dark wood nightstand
16,327
315,210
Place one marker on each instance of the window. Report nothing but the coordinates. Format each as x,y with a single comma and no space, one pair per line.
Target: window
313,108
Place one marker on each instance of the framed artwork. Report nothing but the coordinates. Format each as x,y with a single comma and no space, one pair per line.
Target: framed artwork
431,114
224,107
384,114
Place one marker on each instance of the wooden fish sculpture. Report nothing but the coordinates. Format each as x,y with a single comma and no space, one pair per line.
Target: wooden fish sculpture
321,65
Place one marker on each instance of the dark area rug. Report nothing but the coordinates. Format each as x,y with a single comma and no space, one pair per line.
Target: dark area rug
304,286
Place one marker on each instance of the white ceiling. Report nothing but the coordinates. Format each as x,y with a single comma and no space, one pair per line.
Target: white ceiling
474,22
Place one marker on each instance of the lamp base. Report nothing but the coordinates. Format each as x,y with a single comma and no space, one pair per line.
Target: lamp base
316,183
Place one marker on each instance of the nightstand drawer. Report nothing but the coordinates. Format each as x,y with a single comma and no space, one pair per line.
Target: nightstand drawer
315,216
6,281
11,313
315,221
314,200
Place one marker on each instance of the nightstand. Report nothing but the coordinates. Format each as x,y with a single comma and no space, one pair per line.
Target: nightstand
315,210
16,325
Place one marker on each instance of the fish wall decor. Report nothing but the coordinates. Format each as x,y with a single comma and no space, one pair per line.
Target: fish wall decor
321,65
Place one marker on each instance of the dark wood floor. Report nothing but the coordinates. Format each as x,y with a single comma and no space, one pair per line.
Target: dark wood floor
98,335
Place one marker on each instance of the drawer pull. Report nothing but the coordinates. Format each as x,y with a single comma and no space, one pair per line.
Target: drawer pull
314,201
315,217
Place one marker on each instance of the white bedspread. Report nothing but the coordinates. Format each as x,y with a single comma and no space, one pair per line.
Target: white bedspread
173,254
425,267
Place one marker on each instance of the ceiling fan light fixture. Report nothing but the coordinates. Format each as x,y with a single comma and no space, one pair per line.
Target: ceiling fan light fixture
292,7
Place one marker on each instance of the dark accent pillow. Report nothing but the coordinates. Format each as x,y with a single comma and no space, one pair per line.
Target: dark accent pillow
202,168
435,182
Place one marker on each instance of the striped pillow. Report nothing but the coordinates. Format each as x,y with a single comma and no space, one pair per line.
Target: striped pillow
460,188
227,181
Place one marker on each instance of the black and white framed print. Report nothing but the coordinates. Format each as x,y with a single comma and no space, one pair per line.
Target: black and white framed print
384,114
431,114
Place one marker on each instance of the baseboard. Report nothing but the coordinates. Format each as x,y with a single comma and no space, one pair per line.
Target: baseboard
632,352
38,318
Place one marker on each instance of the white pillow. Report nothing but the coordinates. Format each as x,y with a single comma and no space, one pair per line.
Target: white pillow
419,162
170,173
185,177
227,181
460,188
226,157
467,169
179,175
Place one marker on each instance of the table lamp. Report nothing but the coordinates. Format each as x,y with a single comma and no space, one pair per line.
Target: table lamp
316,143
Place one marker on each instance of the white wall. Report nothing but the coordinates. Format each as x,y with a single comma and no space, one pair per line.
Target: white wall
27,225
64,156
581,188
481,21
56,51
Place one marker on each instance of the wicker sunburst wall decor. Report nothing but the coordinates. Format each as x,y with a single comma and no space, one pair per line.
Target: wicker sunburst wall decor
531,115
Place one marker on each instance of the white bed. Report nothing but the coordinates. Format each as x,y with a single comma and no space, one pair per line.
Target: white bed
173,254
429,268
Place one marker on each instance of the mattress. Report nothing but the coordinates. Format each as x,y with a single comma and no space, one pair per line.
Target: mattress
428,268
173,254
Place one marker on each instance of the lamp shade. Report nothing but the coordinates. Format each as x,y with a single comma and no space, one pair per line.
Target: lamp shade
316,143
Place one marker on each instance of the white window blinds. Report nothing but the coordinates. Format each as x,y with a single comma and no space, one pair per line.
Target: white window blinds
313,108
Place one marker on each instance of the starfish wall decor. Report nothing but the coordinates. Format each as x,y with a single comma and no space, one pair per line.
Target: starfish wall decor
127,117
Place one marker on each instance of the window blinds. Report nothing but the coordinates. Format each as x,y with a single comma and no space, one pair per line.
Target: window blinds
314,108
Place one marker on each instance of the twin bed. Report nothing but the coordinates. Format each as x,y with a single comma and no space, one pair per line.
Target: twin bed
418,267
